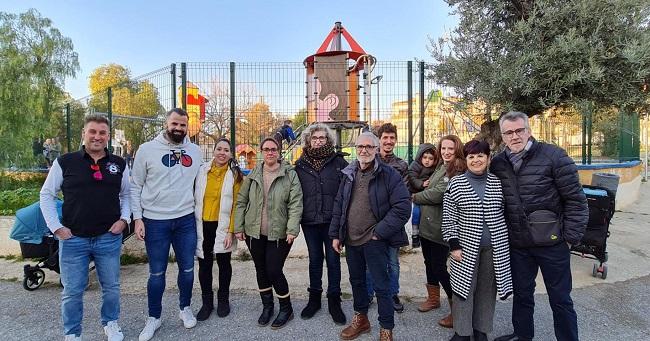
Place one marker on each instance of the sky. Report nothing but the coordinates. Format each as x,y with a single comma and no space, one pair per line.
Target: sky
147,35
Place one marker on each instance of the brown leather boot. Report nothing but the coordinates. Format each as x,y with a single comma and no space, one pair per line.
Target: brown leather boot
358,326
385,335
448,321
433,301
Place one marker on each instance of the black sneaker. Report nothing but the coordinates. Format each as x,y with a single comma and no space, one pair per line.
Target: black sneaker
397,305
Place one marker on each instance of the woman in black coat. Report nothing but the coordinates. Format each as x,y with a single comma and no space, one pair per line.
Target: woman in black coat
319,170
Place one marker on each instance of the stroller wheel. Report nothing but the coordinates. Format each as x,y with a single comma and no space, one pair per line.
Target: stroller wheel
33,279
604,271
594,271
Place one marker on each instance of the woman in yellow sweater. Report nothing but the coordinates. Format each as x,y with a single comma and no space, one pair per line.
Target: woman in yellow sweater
215,191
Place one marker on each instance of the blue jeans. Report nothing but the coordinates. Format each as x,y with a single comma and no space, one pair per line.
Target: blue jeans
180,233
75,255
373,256
393,272
415,217
555,263
320,248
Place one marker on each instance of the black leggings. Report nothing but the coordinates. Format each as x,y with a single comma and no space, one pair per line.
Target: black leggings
269,257
435,262
205,264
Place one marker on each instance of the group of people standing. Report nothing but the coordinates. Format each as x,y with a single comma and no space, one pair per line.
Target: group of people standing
50,149
495,219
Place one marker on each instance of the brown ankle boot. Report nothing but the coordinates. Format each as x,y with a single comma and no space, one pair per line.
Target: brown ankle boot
358,326
448,321
433,301
385,335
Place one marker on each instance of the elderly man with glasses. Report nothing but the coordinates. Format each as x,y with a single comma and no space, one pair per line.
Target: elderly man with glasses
546,212
371,207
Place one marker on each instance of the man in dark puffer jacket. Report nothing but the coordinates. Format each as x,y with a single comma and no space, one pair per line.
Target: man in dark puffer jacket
546,212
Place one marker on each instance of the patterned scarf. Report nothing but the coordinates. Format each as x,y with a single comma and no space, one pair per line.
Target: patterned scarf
518,158
316,157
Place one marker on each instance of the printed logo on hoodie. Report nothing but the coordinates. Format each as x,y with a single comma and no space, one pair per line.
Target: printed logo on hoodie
177,157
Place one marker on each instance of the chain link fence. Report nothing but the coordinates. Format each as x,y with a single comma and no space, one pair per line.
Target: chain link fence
246,102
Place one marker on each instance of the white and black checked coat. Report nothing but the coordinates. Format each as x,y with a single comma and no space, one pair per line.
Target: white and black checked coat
463,214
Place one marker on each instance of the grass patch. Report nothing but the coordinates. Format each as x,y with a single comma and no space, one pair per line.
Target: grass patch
407,251
127,259
346,295
14,258
11,279
243,256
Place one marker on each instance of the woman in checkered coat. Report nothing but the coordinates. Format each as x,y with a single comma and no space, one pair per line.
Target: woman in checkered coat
474,225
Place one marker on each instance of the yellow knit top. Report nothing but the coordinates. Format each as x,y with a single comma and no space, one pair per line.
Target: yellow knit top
212,197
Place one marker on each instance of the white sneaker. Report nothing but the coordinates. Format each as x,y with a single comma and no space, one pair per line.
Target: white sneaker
189,321
113,331
72,337
149,329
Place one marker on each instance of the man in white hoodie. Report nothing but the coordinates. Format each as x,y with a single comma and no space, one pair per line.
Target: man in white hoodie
162,200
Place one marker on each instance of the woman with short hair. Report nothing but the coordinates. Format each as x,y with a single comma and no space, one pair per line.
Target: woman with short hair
267,217
474,225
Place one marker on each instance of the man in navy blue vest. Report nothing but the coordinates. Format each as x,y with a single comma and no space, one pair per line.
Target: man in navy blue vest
95,186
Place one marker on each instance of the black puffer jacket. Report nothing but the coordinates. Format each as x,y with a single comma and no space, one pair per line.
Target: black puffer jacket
319,189
548,180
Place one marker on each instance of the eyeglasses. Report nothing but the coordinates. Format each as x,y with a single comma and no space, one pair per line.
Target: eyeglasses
97,175
365,147
510,133
319,138
270,150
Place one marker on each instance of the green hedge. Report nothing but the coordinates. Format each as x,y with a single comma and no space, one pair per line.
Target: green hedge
13,200
19,189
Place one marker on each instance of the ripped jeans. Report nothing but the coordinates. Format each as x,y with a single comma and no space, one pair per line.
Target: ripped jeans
180,233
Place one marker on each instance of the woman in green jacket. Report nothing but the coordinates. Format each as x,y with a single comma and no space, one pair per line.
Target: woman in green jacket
434,249
267,217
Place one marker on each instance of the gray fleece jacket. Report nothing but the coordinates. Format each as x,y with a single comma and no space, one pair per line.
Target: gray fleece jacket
162,178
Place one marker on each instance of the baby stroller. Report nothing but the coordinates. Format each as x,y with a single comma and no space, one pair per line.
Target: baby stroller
593,245
36,242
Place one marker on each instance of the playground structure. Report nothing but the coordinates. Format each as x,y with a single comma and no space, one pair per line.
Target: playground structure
333,84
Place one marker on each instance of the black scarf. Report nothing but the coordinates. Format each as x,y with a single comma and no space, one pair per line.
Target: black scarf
317,157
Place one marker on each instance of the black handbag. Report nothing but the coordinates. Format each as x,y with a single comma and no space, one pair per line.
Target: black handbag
544,226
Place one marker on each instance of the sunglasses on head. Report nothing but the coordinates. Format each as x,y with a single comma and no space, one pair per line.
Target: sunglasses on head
97,175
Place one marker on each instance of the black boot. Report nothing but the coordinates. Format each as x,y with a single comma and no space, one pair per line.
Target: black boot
397,305
313,305
223,304
334,307
415,241
267,310
457,337
208,306
480,336
285,315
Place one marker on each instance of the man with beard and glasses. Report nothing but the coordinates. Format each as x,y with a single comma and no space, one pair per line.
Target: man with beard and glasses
162,199
387,134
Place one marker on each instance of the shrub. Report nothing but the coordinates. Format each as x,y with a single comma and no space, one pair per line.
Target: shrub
13,200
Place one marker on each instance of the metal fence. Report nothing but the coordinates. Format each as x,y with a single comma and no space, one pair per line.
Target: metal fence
247,102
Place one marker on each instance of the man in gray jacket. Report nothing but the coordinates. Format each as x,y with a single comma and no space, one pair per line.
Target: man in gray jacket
162,200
